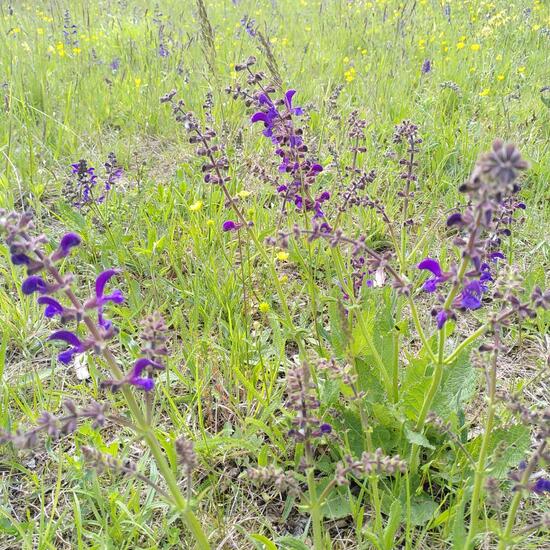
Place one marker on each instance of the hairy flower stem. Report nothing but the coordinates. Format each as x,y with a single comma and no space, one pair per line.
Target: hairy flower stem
480,467
315,511
437,375
403,248
144,429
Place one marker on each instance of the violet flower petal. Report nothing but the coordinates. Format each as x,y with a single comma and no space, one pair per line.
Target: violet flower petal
34,284
103,279
431,265
53,307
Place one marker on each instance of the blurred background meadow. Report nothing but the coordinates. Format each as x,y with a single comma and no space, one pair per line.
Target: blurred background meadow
81,80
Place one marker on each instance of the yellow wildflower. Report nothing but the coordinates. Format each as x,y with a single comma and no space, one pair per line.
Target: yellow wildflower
485,92
460,45
196,206
282,256
475,47
500,77
264,307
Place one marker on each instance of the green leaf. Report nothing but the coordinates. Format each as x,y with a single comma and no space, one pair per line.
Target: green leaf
457,387
508,447
417,438
266,543
393,524
337,505
423,509
262,456
291,543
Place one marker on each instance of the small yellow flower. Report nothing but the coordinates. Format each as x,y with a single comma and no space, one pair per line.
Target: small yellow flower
196,206
475,47
283,279
500,77
76,51
460,45
243,194
137,82
210,223
346,60
499,57
521,70
264,307
485,92
282,256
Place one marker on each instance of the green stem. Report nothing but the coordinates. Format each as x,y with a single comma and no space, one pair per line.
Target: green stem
480,467
472,338
143,427
419,329
315,511
179,499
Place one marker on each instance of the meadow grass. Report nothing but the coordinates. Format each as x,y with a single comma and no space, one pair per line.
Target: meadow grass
97,90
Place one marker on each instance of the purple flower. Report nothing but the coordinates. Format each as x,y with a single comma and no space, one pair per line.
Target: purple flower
455,219
426,66
542,486
115,64
135,375
72,339
288,103
230,225
471,295
53,307
438,275
35,284
163,52
20,259
101,299
441,318
68,241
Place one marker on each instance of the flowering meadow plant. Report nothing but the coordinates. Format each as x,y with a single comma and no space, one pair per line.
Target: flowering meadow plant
305,304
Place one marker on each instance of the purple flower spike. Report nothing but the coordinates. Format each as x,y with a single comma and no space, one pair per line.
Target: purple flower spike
34,284
53,307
